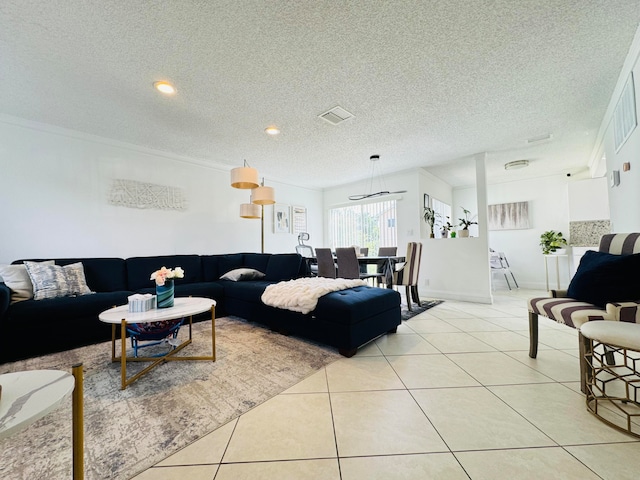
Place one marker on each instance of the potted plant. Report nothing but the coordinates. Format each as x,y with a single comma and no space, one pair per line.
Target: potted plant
465,223
429,216
446,228
552,242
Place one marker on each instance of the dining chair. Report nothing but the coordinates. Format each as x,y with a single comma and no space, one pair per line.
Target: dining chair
348,265
408,274
384,252
500,264
364,252
326,264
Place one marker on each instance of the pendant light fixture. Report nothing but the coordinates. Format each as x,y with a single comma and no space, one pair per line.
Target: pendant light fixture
382,192
244,177
247,177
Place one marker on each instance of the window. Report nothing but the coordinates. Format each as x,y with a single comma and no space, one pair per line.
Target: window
443,215
368,225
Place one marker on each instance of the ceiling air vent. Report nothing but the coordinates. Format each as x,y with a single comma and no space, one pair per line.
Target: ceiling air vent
336,115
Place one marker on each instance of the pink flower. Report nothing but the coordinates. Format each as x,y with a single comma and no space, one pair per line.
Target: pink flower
160,276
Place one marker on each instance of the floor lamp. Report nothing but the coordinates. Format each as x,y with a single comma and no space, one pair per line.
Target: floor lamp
247,178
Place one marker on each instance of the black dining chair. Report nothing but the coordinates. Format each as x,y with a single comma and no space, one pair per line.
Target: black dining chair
326,264
348,265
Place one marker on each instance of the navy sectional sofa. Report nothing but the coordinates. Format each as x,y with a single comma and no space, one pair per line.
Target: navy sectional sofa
346,319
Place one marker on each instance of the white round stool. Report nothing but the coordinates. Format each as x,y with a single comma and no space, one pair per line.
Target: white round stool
613,391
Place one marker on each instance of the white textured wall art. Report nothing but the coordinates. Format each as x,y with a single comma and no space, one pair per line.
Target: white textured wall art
509,216
133,194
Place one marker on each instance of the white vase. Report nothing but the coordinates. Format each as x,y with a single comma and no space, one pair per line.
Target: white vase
463,233
560,251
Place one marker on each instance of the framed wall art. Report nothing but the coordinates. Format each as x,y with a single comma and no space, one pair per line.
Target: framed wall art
508,216
281,218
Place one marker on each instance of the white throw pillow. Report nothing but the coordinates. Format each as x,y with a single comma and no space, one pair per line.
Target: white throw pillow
240,274
52,281
17,279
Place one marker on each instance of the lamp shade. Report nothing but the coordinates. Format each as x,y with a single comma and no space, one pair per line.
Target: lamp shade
249,210
244,177
263,196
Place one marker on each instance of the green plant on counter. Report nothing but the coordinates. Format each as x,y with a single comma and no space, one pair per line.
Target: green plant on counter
551,240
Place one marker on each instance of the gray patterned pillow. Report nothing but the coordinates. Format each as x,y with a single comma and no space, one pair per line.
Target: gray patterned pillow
51,281
17,279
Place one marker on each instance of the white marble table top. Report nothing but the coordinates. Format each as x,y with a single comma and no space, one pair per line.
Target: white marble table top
183,307
30,395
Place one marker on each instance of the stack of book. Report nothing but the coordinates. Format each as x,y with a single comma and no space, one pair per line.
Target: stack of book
141,302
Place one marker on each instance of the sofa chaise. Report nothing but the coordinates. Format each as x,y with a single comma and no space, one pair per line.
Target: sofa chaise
344,319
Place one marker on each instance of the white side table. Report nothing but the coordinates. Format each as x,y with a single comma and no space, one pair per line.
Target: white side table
30,395
557,258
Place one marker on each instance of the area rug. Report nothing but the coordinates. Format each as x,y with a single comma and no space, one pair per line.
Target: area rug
425,305
128,431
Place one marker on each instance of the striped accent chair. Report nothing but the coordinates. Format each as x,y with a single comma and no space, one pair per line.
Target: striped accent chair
407,275
574,313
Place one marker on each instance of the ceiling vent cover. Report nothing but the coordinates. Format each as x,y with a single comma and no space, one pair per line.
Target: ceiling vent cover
336,115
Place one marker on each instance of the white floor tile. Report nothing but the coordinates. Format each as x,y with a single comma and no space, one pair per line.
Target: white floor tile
475,419
315,383
430,371
457,342
559,412
362,373
504,341
524,464
402,467
615,461
412,344
207,450
199,472
555,364
382,423
497,368
285,427
430,325
323,469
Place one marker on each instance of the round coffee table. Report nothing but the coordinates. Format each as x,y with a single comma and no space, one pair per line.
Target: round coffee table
29,395
183,307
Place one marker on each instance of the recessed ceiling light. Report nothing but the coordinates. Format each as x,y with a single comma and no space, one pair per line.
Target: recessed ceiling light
165,87
516,164
272,130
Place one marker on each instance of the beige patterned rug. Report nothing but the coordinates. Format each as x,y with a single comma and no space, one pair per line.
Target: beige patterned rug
128,431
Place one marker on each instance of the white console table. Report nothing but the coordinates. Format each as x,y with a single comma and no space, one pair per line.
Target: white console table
565,259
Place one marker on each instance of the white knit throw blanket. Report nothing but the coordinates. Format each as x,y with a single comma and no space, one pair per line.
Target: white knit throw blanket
302,294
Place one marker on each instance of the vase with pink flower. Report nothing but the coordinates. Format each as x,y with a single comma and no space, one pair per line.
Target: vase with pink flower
164,285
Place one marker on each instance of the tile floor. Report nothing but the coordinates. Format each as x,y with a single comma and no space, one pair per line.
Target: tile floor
452,395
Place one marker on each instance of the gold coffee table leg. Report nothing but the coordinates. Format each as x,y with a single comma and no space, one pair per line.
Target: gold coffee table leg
78,423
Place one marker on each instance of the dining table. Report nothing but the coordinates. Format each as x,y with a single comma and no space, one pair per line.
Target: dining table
388,263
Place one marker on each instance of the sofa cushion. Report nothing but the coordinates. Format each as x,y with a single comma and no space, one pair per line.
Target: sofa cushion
285,266
17,279
603,277
242,274
257,261
226,263
139,269
51,281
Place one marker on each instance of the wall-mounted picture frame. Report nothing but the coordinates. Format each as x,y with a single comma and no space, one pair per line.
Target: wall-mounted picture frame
508,216
299,219
281,218
427,200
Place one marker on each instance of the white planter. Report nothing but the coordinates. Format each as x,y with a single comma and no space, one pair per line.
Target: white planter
463,233
560,251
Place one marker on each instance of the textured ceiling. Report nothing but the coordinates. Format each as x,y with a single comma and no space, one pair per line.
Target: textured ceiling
429,82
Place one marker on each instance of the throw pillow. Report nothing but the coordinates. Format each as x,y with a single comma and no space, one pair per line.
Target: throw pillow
603,278
17,279
52,281
239,274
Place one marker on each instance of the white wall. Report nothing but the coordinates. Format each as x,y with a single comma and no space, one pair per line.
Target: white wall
548,210
54,184
625,198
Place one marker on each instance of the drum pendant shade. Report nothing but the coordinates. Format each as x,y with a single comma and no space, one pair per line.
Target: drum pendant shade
250,210
263,196
244,177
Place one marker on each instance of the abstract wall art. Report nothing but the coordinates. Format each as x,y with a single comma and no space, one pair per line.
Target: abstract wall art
508,216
